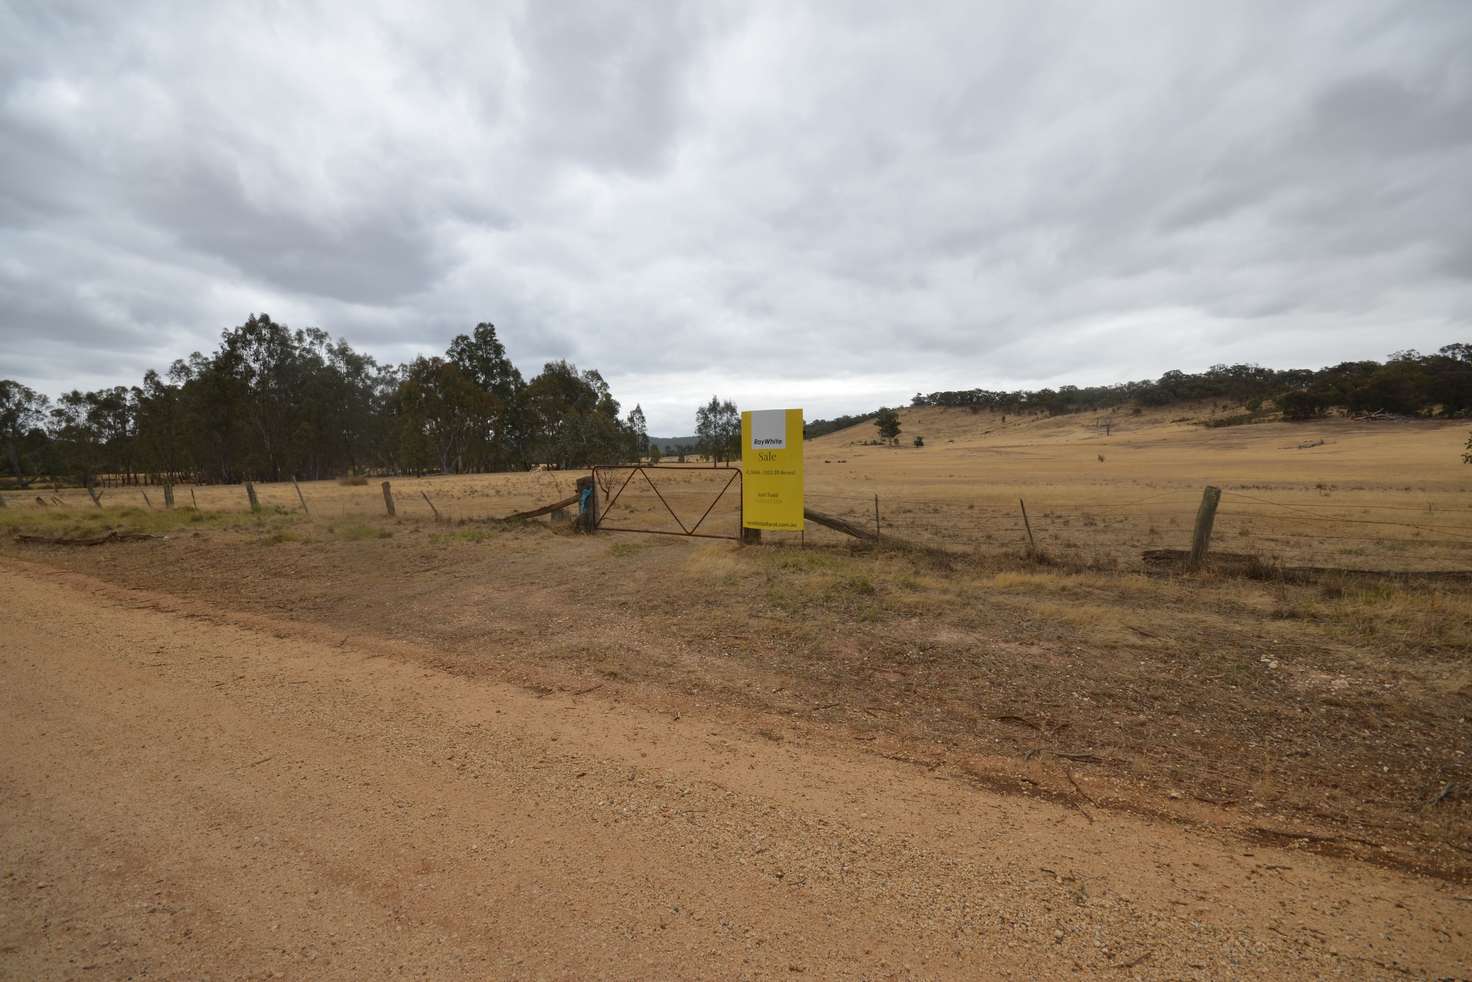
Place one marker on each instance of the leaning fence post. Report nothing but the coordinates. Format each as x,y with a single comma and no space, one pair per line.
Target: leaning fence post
876,517
1205,517
92,492
193,498
1032,546
168,496
432,508
299,496
388,499
250,493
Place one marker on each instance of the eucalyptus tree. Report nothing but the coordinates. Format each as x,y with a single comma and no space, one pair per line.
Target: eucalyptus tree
718,430
23,414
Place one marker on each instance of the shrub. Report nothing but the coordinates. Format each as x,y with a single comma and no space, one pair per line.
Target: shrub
1303,404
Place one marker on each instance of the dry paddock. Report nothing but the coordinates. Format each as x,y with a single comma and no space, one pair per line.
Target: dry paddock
1332,492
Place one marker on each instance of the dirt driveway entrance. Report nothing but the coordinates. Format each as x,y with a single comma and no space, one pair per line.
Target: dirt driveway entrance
191,793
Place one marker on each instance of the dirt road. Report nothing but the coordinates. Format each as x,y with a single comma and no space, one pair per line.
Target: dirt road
187,793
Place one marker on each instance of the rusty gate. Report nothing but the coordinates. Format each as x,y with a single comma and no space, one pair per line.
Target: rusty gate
606,478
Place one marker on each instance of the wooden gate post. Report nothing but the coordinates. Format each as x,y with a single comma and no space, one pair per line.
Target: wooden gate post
587,503
1205,517
250,493
168,496
388,499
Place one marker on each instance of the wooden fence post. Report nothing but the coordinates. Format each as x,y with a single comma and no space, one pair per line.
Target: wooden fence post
876,516
1205,517
299,496
92,492
587,503
388,499
250,492
1032,546
168,496
193,498
432,508
145,499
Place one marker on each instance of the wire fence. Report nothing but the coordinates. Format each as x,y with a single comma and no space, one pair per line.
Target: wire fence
445,498
1354,533
1295,526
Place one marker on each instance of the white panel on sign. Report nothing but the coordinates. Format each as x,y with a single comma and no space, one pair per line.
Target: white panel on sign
769,429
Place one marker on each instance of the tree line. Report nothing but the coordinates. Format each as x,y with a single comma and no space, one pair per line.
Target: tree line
1407,383
272,403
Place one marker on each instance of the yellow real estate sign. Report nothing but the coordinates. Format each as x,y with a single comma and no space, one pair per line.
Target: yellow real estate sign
771,469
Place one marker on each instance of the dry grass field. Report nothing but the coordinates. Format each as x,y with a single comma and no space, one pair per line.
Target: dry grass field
1361,495
1333,493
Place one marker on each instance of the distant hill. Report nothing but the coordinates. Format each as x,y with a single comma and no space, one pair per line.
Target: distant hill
1407,383
668,444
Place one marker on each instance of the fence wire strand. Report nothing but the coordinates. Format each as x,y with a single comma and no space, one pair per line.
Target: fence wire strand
1454,529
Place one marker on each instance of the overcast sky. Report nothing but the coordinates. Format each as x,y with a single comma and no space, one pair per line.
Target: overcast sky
828,206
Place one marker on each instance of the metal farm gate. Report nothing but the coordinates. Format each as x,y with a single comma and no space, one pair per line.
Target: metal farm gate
614,479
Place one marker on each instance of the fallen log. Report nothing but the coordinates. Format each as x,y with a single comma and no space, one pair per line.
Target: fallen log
839,525
96,540
545,509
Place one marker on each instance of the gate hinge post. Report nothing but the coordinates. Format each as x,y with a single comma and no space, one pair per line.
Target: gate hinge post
588,503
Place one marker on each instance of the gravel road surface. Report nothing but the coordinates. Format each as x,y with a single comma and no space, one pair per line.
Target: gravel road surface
191,793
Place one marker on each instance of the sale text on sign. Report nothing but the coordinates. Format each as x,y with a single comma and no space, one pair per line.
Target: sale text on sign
771,465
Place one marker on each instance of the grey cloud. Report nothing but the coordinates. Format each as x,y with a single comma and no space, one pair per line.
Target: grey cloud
376,256
607,82
1379,116
838,204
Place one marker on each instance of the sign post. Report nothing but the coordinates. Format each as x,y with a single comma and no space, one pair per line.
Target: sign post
771,466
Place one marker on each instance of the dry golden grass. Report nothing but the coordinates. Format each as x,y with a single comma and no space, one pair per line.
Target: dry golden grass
1388,495
1371,495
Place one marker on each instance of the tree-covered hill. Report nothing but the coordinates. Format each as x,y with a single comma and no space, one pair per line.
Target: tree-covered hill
1408,383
